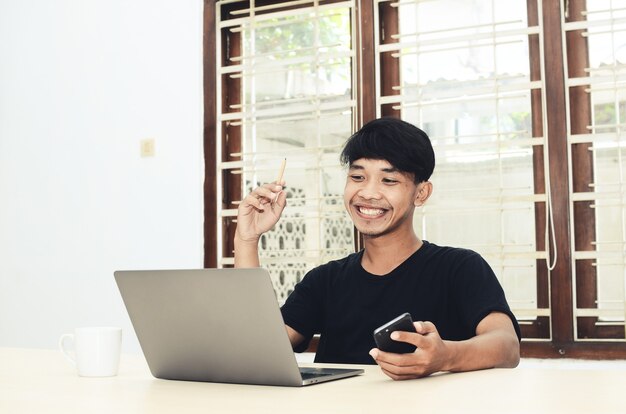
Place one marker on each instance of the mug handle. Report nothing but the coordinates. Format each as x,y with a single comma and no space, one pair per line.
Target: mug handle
62,347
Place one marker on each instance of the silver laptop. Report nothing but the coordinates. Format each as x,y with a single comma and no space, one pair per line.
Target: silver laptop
216,325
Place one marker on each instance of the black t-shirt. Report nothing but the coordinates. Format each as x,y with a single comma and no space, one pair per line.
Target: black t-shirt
450,287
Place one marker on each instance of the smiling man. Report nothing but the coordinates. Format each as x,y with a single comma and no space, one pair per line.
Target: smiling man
463,320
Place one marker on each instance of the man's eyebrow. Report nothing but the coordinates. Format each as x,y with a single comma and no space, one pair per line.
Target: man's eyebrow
385,170
356,167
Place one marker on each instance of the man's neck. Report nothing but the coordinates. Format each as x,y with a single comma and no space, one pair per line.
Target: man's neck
383,254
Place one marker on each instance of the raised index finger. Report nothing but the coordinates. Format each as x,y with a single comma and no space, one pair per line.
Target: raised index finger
266,191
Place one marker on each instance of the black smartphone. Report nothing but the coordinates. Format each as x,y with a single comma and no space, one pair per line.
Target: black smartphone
382,334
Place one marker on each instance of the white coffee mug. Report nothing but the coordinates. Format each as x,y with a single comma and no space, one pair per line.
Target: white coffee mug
96,350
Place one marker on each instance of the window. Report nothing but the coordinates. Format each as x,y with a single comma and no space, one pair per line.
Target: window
523,100
293,64
467,81
596,86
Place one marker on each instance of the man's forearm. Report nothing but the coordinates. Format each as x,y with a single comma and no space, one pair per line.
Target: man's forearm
295,337
495,349
246,253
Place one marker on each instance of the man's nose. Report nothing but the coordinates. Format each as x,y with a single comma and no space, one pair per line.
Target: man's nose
369,190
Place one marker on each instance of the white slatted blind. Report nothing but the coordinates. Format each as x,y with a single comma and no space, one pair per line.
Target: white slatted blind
295,72
603,25
465,79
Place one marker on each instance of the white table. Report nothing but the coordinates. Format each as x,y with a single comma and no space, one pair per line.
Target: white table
41,381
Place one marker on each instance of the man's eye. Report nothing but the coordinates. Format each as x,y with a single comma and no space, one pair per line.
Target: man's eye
356,177
389,181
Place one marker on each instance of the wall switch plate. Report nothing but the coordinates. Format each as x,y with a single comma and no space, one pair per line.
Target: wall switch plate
146,147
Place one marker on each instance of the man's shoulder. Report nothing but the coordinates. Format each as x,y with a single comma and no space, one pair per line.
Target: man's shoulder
336,267
348,261
329,274
458,262
449,252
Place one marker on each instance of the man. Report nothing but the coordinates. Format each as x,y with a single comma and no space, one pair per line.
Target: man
464,322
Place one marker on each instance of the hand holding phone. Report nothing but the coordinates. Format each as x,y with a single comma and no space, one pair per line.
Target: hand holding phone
383,339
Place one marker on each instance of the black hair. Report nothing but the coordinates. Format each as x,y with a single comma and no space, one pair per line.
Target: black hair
403,145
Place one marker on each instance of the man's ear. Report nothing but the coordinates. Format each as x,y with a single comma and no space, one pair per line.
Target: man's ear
424,190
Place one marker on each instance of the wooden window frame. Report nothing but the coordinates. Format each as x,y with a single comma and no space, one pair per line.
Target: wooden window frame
560,281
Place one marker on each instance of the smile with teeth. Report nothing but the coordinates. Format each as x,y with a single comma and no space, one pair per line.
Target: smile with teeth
370,212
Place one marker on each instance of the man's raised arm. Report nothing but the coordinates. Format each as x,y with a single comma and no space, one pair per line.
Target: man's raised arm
258,212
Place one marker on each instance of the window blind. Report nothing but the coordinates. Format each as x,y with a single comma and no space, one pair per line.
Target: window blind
597,84
466,78
286,79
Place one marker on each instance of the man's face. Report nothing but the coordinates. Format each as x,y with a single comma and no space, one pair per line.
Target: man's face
379,198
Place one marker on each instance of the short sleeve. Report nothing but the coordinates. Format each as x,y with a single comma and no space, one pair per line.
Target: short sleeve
303,309
478,293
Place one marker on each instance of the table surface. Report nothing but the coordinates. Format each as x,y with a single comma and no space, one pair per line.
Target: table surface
42,381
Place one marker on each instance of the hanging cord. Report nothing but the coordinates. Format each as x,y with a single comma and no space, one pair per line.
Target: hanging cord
550,242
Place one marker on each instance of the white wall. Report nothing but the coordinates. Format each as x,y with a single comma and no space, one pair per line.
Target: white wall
81,83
